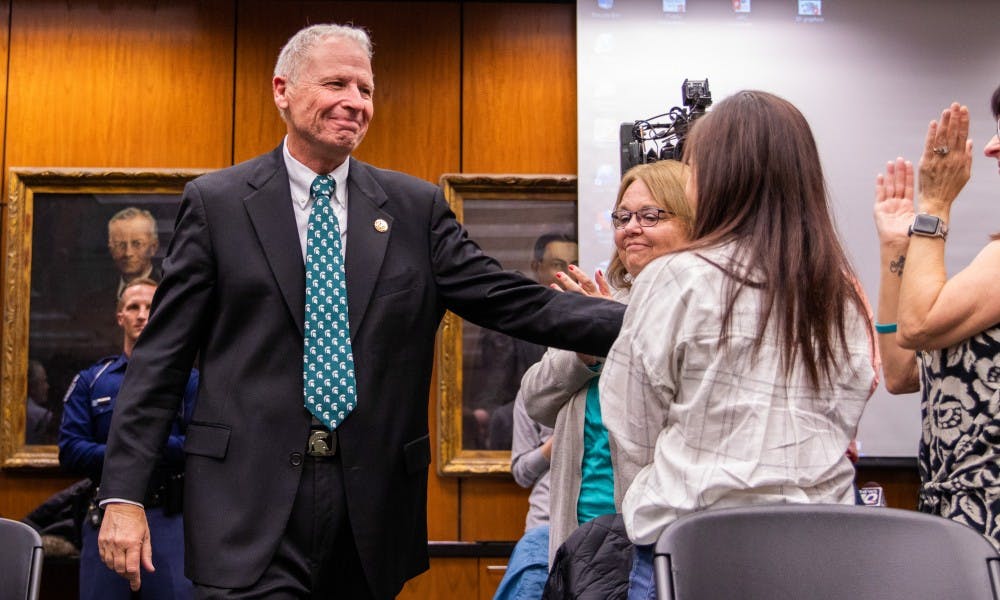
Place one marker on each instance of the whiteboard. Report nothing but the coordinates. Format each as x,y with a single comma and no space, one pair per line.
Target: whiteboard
868,75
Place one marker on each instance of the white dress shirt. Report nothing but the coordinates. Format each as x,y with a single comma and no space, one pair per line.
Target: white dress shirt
300,178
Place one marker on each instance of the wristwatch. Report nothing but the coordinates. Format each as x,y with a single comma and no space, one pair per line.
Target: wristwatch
928,225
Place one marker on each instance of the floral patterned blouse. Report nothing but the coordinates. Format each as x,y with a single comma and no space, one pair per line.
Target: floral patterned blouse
960,445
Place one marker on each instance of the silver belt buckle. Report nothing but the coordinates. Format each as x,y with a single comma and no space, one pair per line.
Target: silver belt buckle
322,443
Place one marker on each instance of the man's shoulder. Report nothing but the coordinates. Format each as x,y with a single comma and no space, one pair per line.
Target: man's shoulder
388,178
264,165
103,365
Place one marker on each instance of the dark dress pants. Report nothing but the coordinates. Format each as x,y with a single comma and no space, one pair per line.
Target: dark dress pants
316,557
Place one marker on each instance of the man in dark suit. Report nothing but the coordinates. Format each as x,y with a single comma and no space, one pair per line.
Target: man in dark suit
277,505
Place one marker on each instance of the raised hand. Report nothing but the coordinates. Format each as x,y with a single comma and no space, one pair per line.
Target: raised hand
894,202
582,284
946,164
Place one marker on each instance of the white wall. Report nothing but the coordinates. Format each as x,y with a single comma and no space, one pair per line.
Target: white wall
868,75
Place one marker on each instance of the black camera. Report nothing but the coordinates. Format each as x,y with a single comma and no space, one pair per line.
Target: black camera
696,94
646,141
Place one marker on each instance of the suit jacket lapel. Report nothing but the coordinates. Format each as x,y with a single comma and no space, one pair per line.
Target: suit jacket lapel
366,245
269,207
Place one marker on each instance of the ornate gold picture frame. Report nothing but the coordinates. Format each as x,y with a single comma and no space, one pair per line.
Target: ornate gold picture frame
57,256
478,371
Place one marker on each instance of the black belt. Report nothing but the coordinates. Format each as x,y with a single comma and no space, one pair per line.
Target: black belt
322,443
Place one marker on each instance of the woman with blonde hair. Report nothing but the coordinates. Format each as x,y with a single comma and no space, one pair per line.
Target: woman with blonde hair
651,217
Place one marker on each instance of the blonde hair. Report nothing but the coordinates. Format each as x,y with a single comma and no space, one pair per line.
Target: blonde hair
144,281
666,180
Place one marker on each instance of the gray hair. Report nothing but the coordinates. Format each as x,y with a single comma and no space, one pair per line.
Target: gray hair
131,212
293,53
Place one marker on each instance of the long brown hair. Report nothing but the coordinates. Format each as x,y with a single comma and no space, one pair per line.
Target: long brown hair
665,180
760,187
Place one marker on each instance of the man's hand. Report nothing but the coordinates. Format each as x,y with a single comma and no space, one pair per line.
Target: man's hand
124,541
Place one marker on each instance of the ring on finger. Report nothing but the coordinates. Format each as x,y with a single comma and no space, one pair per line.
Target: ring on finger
941,150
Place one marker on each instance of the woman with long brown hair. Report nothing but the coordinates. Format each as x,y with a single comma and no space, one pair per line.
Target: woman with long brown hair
745,359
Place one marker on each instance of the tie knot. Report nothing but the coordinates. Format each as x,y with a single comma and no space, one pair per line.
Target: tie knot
322,187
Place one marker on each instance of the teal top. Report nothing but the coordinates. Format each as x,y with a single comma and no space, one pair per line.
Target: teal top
597,485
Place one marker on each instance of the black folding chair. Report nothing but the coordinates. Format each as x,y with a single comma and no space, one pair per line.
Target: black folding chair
810,551
20,561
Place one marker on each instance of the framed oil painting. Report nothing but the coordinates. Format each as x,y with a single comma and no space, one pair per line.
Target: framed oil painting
528,223
72,237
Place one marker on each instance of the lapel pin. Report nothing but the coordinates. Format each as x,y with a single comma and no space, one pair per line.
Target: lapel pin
381,225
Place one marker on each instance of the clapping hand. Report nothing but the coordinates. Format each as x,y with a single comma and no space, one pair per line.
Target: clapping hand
894,203
946,164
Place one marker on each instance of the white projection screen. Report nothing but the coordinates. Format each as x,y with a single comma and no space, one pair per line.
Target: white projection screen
869,75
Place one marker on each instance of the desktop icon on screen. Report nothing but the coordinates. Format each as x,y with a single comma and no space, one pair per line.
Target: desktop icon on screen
810,8
741,6
674,6
606,4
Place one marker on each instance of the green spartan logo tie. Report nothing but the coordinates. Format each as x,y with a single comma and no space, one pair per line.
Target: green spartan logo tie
328,363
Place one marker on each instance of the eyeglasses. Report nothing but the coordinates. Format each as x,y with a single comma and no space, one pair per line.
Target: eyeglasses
646,217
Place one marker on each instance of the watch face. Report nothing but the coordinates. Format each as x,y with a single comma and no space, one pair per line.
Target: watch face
926,224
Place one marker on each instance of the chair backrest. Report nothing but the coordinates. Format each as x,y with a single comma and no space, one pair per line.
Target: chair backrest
20,561
823,551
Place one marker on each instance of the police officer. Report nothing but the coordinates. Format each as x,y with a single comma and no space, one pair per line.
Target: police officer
82,437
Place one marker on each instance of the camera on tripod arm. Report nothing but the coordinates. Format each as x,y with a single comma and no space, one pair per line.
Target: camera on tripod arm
696,95
645,141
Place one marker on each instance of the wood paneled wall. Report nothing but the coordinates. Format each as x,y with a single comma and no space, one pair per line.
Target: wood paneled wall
120,84
519,89
484,87
460,87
